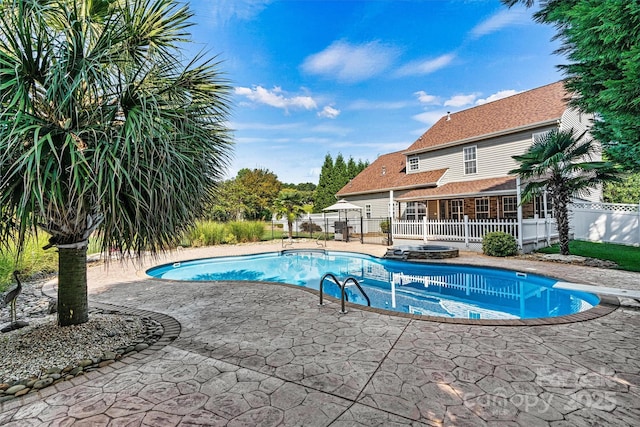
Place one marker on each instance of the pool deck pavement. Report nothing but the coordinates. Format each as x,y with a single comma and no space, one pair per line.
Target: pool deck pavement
244,354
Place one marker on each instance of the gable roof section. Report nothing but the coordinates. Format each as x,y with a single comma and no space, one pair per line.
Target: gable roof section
388,172
535,106
502,185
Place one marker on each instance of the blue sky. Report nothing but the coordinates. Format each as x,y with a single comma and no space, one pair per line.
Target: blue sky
362,78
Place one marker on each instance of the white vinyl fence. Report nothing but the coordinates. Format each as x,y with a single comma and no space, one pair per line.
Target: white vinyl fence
606,222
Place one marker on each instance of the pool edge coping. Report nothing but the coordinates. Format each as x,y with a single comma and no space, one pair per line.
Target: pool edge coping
607,305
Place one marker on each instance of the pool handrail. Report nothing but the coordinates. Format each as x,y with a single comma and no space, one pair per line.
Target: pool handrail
343,294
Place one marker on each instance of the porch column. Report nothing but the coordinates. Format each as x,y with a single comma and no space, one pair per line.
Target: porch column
519,200
547,228
391,217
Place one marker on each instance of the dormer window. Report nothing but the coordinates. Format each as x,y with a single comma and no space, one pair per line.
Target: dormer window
414,163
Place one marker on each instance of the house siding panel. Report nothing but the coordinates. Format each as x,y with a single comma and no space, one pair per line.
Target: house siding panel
379,203
574,119
494,157
580,122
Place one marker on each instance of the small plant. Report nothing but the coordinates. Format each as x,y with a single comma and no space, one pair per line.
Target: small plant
310,227
499,244
385,226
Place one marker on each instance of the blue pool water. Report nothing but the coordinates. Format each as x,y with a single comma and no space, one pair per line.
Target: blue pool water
427,289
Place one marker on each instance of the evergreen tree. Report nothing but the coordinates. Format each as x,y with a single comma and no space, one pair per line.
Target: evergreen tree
324,197
625,191
340,176
333,177
352,168
361,166
601,41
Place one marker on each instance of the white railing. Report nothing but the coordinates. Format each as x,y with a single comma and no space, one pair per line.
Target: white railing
468,230
472,230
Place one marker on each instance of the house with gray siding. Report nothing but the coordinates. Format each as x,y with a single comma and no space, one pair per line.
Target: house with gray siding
459,167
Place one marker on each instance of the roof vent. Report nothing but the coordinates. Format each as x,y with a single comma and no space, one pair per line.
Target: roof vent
448,115
384,170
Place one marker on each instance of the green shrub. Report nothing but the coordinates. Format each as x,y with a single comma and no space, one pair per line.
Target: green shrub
209,233
33,260
310,227
205,233
385,226
246,231
500,244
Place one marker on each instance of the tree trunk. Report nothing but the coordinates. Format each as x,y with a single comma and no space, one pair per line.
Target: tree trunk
562,220
290,225
73,308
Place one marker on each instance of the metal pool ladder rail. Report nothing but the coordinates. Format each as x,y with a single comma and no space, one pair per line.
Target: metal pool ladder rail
343,294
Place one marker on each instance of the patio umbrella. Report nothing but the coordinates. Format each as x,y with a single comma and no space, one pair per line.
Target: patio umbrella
342,205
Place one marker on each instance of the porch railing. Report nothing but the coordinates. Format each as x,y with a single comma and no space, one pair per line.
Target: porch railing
453,230
472,230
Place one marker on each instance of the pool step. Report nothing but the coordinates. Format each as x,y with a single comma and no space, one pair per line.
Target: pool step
602,290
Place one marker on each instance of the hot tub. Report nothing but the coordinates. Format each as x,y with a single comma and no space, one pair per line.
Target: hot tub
418,252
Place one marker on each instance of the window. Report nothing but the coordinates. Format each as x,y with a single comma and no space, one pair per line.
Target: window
456,209
415,211
510,206
470,160
414,163
538,206
482,208
367,211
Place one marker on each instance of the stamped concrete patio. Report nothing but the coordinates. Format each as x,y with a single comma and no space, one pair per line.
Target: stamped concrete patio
256,354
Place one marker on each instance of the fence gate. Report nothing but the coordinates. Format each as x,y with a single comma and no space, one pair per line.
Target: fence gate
376,231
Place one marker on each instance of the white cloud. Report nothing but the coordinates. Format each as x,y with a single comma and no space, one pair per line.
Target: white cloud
223,11
429,117
425,66
500,20
498,95
460,100
425,98
329,112
276,98
351,63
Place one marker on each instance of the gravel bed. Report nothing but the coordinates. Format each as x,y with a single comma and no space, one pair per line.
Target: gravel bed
31,351
42,353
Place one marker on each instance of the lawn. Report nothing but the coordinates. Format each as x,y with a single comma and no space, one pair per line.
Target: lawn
627,257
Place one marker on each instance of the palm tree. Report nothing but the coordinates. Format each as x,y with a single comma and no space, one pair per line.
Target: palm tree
290,205
104,129
560,162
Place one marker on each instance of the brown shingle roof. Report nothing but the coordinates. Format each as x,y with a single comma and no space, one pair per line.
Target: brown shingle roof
457,189
388,172
543,104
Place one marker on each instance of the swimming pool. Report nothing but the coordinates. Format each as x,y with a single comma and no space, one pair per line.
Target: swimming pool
441,290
